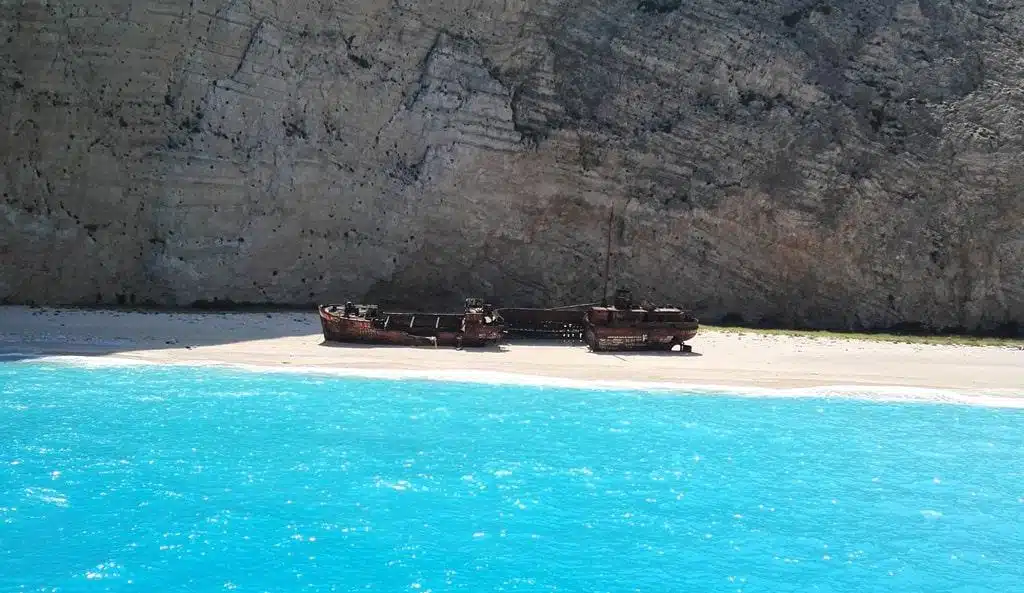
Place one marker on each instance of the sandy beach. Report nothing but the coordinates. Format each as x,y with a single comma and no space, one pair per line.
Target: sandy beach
288,340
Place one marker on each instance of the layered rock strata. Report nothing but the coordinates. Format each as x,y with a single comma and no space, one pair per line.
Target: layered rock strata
849,164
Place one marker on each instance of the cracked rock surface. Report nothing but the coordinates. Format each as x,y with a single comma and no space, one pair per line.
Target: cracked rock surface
850,164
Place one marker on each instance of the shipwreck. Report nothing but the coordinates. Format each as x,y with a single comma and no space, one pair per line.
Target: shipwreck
628,326
480,324
624,325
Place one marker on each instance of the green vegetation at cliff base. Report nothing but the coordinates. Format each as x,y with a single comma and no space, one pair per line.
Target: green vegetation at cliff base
934,339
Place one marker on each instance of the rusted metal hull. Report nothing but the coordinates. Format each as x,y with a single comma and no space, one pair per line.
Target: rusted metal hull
408,329
621,326
604,339
626,327
605,328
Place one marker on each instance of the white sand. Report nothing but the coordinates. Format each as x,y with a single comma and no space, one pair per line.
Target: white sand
290,340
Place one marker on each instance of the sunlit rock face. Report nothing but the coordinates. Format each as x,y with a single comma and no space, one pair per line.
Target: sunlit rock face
833,164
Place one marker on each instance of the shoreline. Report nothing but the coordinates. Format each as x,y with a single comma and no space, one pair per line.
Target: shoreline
723,362
996,398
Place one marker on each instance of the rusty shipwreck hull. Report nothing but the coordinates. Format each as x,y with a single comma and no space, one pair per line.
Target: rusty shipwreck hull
602,338
478,326
622,326
611,328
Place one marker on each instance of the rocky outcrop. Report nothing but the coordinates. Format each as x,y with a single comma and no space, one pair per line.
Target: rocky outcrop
834,164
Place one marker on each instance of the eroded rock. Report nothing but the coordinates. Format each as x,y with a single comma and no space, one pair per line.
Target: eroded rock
842,165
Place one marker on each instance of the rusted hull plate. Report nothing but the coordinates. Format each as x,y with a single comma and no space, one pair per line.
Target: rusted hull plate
341,328
619,339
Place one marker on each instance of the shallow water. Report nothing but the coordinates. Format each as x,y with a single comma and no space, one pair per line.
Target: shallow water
177,479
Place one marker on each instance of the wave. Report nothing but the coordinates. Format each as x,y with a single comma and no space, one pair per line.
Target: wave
999,398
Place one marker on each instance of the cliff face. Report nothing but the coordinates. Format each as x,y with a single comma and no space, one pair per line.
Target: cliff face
843,164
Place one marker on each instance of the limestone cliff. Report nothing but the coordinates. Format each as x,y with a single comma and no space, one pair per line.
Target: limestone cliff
835,164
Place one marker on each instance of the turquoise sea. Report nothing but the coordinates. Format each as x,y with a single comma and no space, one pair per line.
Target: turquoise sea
201,480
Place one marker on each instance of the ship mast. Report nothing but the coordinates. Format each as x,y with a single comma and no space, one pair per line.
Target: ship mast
608,257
